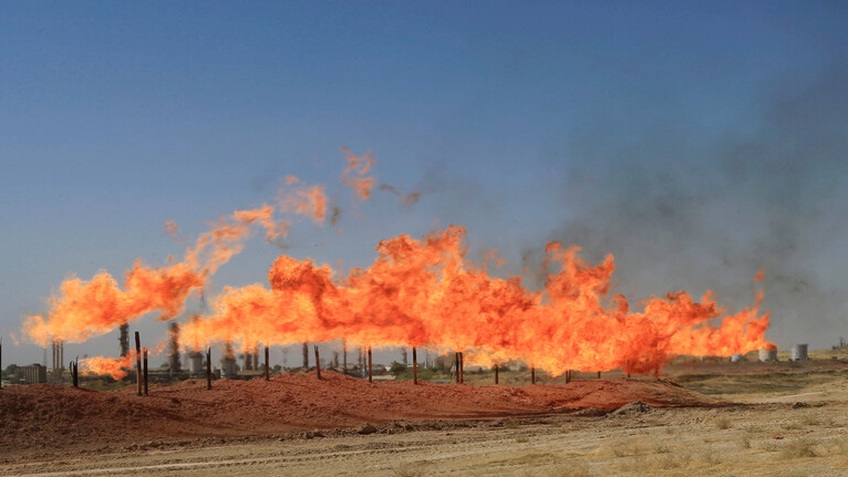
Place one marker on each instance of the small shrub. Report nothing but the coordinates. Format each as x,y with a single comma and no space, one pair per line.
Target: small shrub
407,470
799,449
572,469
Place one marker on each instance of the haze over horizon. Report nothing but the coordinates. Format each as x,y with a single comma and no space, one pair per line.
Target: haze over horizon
697,143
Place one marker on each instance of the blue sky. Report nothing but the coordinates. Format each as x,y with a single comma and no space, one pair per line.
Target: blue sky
697,141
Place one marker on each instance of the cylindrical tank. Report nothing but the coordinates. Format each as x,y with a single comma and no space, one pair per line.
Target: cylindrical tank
736,358
196,359
768,355
799,352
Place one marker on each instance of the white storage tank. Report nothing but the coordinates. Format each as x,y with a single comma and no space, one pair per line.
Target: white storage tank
799,352
767,355
736,358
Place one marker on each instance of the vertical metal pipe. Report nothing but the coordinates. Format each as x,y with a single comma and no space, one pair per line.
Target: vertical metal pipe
317,362
461,368
414,366
496,373
532,375
456,365
138,377
208,368
267,367
599,375
145,371
75,372
344,356
370,367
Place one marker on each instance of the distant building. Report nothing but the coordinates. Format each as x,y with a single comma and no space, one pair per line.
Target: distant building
33,374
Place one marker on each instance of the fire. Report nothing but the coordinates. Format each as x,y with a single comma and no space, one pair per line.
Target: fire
354,175
417,292
427,293
117,368
300,199
83,309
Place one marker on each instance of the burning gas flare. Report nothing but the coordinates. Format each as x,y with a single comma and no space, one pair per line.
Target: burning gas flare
427,293
423,292
83,309
117,368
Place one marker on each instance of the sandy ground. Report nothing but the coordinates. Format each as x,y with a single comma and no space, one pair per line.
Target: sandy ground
768,421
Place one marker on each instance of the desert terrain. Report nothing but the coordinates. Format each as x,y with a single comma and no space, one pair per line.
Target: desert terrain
709,417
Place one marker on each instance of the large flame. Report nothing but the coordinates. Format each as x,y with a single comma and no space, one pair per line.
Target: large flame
83,309
117,368
423,292
426,293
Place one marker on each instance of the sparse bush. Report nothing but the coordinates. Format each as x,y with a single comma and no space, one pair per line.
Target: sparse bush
791,426
397,368
723,423
799,449
675,461
811,420
710,458
572,469
409,469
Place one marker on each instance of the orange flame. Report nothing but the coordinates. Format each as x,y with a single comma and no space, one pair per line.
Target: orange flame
416,293
426,293
83,309
300,199
115,367
354,175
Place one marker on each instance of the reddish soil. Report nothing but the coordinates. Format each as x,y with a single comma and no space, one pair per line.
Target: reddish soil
43,418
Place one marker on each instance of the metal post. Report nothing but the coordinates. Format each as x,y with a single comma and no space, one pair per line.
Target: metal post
532,375
496,373
208,368
599,375
138,377
267,368
317,362
370,367
75,372
414,366
1,362
461,368
344,356
145,371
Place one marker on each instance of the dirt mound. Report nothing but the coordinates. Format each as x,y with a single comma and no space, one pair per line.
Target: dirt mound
42,417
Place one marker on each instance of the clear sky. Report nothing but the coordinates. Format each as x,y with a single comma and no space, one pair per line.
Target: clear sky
698,142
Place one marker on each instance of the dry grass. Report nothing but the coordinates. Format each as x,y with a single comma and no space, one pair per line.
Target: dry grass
723,423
